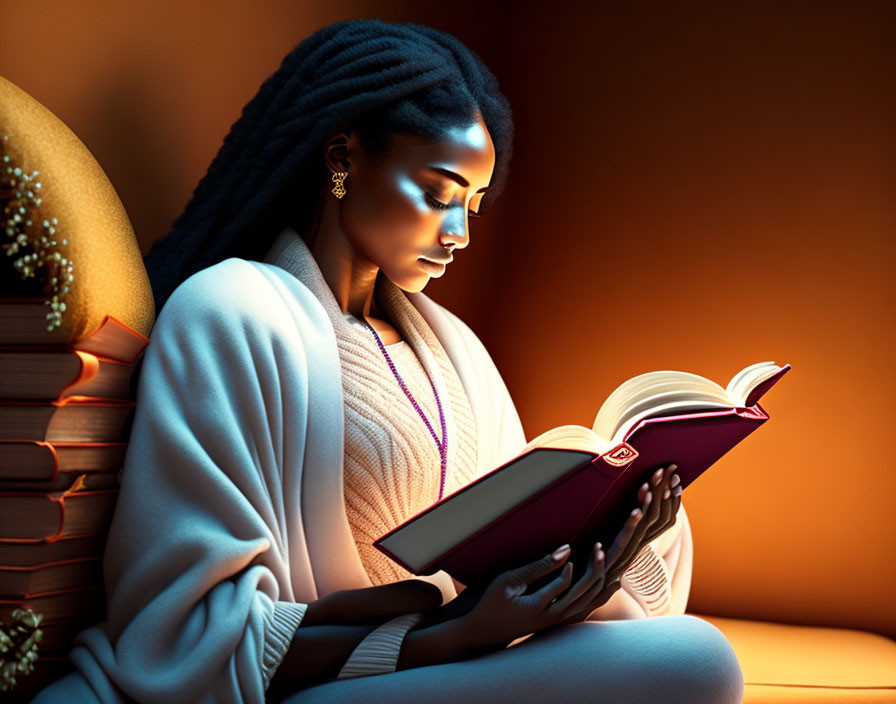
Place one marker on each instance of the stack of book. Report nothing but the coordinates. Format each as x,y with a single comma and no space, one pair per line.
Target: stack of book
76,310
65,411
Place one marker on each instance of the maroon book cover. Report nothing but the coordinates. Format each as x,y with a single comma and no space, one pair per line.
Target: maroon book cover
588,502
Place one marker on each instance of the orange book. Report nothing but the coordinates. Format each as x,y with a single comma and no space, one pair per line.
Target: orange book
74,419
55,374
38,460
68,604
34,516
95,481
23,321
52,577
26,554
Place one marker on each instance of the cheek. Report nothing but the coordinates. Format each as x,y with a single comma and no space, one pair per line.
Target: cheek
388,213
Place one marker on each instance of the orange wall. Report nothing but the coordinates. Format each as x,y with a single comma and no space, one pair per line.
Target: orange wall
714,186
710,184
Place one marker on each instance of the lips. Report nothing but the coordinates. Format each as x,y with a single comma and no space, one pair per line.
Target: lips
432,268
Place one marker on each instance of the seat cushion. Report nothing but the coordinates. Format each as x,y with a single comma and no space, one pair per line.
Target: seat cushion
783,663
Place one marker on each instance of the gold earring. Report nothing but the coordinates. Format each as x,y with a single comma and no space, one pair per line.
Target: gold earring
339,178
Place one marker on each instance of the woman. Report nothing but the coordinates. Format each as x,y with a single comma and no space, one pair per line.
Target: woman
300,397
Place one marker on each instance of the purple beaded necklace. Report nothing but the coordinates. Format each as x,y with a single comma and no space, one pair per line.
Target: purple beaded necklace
443,444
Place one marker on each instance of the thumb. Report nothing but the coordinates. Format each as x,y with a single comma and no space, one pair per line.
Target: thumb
534,570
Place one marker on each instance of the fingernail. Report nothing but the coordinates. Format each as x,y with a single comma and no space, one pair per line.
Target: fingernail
560,552
673,467
675,481
667,494
636,512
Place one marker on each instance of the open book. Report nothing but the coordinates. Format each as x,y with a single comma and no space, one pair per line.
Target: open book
577,485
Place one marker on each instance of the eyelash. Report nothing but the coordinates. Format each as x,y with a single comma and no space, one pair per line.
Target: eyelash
439,205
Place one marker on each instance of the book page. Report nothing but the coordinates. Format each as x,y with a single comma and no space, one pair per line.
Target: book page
572,437
671,408
635,398
668,392
746,380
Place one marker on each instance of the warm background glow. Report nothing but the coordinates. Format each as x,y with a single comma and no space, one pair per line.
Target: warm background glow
709,184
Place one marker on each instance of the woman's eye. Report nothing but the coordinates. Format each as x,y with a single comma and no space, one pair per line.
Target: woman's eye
439,205
436,204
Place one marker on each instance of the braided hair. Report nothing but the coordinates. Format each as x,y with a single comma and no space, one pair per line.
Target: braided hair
380,78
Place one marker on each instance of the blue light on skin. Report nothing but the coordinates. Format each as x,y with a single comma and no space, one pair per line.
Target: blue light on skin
392,216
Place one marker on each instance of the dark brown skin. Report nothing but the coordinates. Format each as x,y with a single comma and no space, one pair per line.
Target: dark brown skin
389,219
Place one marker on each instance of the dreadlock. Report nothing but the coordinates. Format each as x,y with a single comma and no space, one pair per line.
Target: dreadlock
381,79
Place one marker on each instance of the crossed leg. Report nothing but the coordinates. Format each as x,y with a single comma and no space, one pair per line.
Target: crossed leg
673,659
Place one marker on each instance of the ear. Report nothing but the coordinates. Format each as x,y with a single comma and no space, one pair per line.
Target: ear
339,150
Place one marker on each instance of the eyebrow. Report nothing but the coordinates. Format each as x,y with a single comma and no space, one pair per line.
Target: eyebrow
455,177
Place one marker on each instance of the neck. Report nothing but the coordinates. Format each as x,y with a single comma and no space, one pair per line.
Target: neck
350,276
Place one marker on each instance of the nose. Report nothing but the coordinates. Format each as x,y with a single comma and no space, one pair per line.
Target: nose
455,235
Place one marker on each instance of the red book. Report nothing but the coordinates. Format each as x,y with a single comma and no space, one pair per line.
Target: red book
577,485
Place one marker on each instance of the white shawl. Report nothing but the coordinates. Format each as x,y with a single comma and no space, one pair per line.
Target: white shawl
231,517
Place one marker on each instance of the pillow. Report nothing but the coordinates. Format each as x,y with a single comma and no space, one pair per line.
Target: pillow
73,203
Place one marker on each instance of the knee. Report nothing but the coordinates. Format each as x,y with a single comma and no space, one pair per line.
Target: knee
705,663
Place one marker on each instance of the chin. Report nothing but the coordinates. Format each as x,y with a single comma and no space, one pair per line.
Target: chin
410,281
411,284
415,285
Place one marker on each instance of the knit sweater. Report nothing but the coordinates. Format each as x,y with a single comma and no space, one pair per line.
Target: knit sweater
392,466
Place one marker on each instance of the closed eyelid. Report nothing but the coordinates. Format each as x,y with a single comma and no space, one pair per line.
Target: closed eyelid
438,204
449,175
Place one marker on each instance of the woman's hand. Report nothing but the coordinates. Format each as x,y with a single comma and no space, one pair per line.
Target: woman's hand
660,500
377,604
505,611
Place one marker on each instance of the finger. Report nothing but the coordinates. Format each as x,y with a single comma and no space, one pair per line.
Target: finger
658,483
582,594
666,512
544,596
636,540
593,572
642,493
523,576
674,500
623,538
595,602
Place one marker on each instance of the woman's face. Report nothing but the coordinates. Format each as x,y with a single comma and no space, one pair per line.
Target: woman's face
405,212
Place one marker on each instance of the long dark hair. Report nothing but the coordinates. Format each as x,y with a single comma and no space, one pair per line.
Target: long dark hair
380,78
